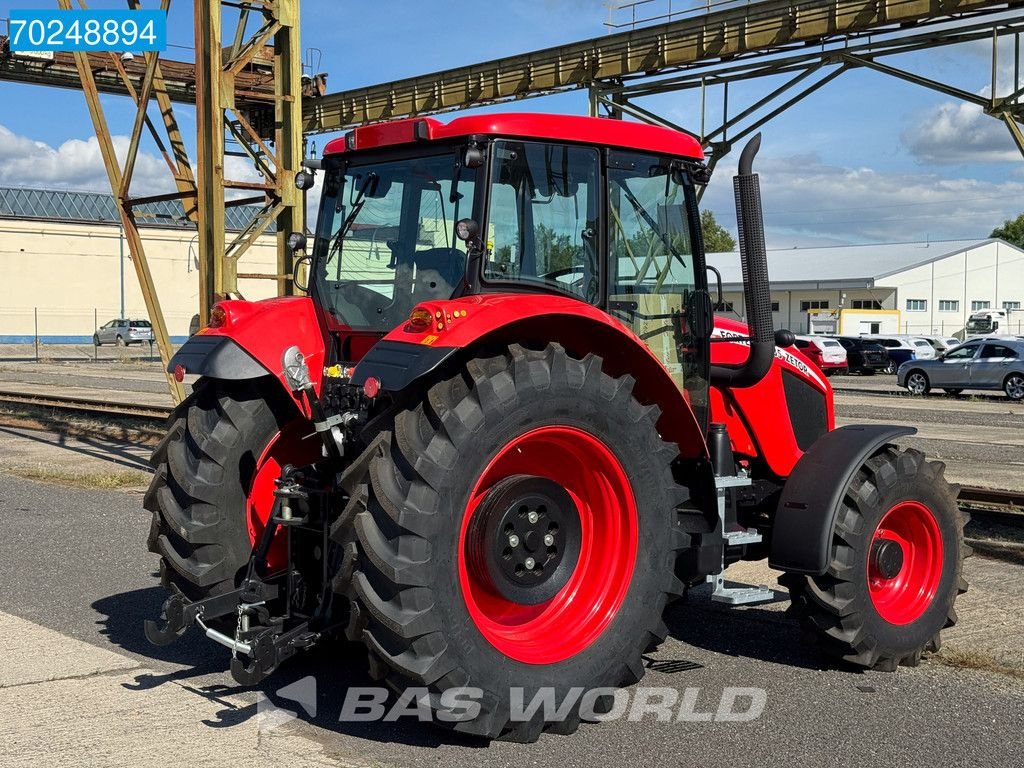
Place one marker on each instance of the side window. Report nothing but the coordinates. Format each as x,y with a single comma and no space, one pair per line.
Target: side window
544,219
963,353
997,350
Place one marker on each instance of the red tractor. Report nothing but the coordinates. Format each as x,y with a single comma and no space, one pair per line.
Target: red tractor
505,430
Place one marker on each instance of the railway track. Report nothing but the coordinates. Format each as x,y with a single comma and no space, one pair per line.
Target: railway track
85,406
990,505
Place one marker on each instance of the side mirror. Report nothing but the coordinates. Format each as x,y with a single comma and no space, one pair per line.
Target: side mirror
718,280
296,242
784,338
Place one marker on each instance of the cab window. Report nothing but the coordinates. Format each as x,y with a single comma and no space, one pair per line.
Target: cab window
544,218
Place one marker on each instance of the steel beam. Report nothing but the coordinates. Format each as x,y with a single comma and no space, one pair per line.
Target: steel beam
735,30
270,136
119,183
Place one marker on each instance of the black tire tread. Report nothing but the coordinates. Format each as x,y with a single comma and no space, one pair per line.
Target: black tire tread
827,605
392,608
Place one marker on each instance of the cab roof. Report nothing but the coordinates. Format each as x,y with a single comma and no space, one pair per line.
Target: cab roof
598,131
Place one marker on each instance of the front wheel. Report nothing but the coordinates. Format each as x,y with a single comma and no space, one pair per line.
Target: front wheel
96,340
517,535
895,568
1014,386
917,383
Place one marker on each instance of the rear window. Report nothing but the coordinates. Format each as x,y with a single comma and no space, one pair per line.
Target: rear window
831,344
921,344
140,324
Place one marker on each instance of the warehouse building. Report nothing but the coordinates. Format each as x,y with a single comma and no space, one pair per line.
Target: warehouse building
63,255
925,288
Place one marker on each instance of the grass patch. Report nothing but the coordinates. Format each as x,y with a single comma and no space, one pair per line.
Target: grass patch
981,660
106,481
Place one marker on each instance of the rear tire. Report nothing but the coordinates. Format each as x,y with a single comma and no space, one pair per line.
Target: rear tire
1014,386
890,367
855,612
953,392
430,522
204,496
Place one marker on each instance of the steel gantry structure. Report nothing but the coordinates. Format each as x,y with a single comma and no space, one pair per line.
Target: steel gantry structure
251,94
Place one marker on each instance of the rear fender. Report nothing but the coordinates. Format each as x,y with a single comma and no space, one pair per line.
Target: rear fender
460,326
251,340
810,501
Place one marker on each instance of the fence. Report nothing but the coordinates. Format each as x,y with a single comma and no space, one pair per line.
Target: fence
44,333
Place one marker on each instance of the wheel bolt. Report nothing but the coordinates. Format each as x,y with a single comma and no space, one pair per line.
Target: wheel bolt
532,517
530,562
513,540
549,540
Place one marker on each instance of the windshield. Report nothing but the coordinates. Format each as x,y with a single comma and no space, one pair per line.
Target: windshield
385,238
979,325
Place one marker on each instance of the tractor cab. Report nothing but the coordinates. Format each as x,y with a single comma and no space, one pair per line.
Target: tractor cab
427,212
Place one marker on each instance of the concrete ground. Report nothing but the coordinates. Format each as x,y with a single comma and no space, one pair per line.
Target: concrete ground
79,685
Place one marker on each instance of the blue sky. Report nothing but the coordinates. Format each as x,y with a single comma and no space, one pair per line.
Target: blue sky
866,159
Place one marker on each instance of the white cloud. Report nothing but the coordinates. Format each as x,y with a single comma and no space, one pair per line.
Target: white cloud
959,132
808,202
76,164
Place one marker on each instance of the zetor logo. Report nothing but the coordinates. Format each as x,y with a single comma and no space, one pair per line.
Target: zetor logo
660,704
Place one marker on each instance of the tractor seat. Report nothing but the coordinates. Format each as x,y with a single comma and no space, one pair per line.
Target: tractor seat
439,272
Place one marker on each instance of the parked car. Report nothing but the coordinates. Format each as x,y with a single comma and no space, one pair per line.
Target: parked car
863,356
902,348
942,343
825,352
123,332
978,364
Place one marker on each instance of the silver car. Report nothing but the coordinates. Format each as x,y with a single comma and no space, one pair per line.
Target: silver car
993,363
123,332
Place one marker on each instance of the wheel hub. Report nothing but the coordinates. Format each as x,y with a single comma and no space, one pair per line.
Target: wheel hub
526,536
887,558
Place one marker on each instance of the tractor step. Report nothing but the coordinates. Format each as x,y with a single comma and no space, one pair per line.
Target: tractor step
735,536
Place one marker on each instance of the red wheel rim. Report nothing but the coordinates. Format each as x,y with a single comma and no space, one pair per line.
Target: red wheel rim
906,596
292,445
577,615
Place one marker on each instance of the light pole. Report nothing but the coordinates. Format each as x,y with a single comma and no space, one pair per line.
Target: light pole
120,263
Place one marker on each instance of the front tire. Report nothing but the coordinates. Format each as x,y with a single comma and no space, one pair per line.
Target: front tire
918,384
444,594
895,568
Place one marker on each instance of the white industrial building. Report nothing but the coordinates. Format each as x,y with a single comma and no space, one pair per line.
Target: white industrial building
926,288
62,256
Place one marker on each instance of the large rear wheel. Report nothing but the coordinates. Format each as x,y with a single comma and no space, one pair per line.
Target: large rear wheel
213,483
895,567
517,532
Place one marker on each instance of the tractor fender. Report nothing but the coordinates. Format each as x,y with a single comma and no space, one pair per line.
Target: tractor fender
250,340
458,327
810,500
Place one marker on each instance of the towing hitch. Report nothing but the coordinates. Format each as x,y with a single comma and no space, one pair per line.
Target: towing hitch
263,639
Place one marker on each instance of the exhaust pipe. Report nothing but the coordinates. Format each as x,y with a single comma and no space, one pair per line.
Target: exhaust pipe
756,290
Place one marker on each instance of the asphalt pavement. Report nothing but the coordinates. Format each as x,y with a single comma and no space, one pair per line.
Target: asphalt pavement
80,685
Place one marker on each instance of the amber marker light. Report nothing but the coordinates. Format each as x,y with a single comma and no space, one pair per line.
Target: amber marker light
218,316
419,319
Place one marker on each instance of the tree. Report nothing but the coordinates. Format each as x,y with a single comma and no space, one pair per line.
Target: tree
1011,231
716,237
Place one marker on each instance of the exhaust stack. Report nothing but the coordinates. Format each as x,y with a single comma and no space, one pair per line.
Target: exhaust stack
756,290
